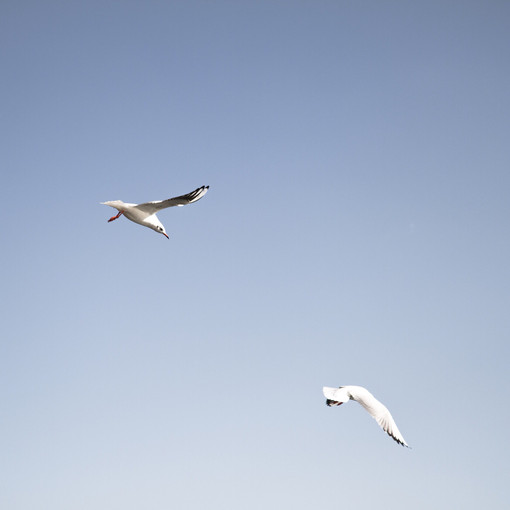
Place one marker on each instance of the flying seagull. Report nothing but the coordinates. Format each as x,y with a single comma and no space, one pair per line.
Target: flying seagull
337,396
145,214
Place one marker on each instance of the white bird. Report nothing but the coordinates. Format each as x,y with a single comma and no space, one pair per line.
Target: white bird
145,214
337,396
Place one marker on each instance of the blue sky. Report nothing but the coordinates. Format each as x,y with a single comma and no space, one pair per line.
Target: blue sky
355,232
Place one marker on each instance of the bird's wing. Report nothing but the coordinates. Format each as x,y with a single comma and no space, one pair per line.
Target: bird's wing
382,416
153,207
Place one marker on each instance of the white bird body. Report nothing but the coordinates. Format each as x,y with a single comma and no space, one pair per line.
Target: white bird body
378,411
145,214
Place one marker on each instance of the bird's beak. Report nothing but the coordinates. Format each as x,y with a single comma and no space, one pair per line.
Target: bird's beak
165,235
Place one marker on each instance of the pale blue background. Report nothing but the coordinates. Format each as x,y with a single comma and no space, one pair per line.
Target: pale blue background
356,232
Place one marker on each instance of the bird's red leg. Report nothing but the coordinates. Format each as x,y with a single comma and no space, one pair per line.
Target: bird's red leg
114,217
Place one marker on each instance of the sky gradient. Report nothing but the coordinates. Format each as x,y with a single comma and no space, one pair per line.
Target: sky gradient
356,231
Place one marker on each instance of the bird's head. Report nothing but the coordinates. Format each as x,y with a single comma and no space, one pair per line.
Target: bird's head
161,230
157,227
335,396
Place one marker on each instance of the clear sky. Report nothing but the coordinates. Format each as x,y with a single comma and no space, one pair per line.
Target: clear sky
356,231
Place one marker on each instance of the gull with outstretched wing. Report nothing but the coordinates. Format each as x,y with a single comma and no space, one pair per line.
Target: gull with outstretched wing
145,214
378,411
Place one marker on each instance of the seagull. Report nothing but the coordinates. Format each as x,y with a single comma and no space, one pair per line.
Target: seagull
145,214
337,396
